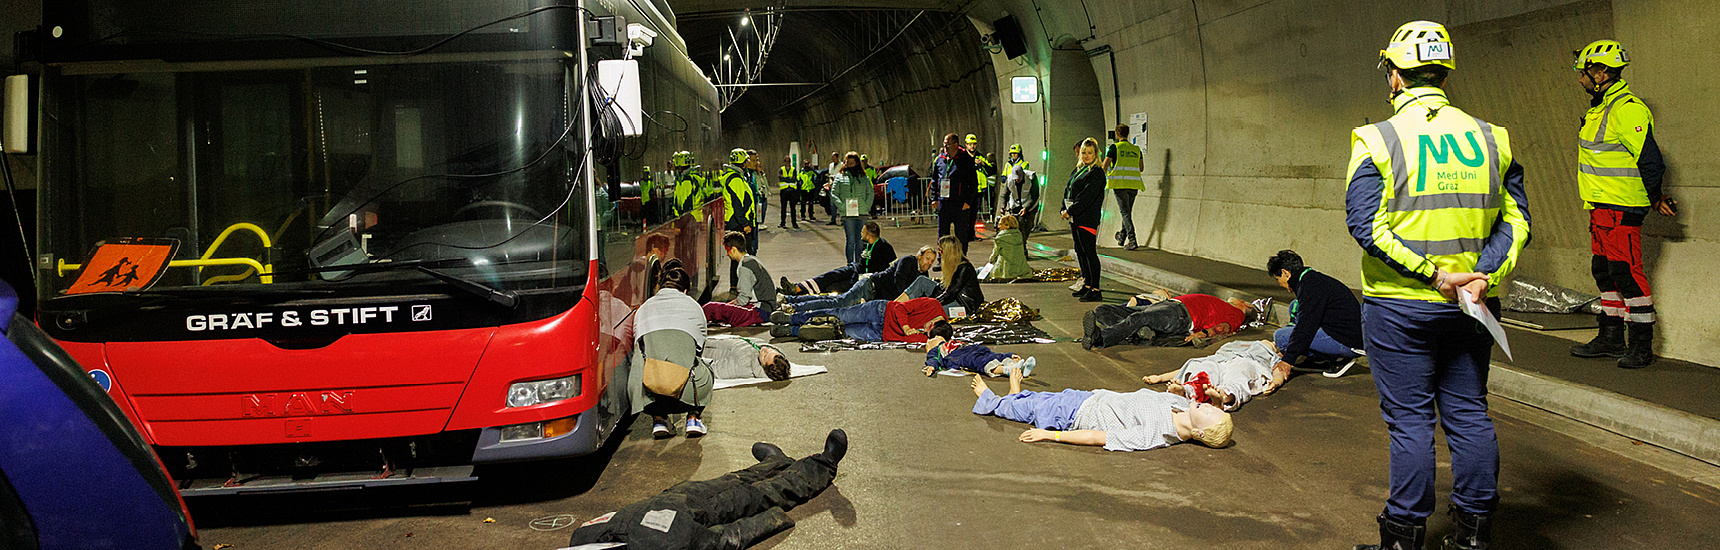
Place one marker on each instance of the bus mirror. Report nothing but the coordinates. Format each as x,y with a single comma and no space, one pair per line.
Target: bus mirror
18,121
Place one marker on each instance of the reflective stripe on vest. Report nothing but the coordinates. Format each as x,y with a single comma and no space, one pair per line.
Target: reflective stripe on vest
1125,173
1606,170
789,178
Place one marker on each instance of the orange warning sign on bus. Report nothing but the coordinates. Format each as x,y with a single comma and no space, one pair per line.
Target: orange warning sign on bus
130,263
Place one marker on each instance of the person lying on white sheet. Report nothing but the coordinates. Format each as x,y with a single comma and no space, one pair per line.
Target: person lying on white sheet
734,357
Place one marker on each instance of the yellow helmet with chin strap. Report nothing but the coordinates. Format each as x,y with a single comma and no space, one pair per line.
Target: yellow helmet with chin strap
1605,52
1419,43
737,156
683,159
1015,148
972,139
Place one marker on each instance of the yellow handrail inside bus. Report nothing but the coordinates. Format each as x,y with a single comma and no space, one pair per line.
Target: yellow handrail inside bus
208,259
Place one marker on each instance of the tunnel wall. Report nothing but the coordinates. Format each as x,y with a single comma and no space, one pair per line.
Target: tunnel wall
1251,103
896,108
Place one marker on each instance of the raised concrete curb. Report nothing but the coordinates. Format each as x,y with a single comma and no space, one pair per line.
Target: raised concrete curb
1678,431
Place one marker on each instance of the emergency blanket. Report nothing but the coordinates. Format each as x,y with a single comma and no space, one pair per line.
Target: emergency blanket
1532,296
795,370
1047,275
1007,310
988,334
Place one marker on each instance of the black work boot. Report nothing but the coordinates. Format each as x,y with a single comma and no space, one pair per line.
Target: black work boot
835,446
1641,347
1474,531
745,532
1397,536
762,451
1609,342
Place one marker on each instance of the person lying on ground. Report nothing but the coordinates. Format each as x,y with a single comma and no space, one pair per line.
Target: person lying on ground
960,286
733,511
670,328
1325,325
1229,378
1173,321
736,357
874,321
1009,251
943,351
875,256
1137,421
879,286
754,295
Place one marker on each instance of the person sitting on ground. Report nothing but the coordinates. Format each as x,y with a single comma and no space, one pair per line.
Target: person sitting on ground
670,327
874,321
1137,421
1325,325
875,256
1174,321
1009,251
960,287
754,295
730,512
943,351
736,357
904,280
1239,371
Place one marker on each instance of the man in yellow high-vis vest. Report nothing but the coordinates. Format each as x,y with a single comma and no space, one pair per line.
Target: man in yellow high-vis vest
1619,170
1123,177
689,183
1436,202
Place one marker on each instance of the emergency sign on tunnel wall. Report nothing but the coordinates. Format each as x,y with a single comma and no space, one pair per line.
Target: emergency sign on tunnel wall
1024,89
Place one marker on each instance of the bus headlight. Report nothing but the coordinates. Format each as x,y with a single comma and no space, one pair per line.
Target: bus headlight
526,394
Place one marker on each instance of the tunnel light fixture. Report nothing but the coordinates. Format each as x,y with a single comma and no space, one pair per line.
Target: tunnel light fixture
1044,154
745,20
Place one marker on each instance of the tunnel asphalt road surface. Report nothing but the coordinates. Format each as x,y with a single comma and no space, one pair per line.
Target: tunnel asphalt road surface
1307,470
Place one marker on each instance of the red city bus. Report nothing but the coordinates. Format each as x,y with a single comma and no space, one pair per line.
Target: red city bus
319,244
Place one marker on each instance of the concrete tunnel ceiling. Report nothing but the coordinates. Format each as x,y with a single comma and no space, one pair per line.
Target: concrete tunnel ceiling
817,41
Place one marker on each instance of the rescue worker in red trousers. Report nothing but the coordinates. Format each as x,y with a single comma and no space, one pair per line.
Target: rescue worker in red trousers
1619,171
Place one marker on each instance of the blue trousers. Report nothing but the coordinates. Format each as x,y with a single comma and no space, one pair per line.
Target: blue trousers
1323,348
851,226
1044,410
1430,359
860,322
862,292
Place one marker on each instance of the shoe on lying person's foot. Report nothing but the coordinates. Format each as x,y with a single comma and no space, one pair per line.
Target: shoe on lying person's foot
762,451
820,332
1089,332
835,446
783,330
695,427
780,317
784,286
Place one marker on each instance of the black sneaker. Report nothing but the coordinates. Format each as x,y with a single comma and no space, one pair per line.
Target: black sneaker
781,331
1089,332
1093,295
780,318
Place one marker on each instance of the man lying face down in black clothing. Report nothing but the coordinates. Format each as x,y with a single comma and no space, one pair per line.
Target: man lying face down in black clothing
728,513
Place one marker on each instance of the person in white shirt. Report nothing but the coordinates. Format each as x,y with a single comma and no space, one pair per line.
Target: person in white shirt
1238,372
1137,421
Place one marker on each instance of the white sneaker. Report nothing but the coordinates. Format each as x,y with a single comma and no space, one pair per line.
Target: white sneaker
1077,285
1338,372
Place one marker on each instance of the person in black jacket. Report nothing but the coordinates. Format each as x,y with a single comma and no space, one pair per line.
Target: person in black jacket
960,286
875,255
1083,199
733,511
904,280
1325,325
956,191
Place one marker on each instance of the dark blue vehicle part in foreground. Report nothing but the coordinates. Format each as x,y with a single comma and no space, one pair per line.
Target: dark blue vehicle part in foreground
72,463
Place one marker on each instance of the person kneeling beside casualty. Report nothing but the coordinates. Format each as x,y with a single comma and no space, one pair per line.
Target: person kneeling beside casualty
1136,421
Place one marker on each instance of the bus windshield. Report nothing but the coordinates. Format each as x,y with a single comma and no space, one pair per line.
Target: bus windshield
466,162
